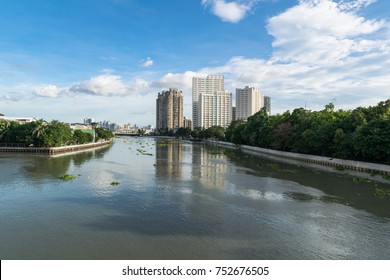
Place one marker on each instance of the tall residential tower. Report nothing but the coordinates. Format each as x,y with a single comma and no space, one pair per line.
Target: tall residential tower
215,109
207,85
169,109
248,101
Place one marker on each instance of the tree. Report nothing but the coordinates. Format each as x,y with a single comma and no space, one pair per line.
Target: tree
39,132
57,134
258,130
103,133
80,137
4,127
183,132
372,141
141,131
233,132
216,132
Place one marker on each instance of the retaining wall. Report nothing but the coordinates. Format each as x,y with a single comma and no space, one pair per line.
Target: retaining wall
54,150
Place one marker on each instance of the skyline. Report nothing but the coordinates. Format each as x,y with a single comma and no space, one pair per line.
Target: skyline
108,60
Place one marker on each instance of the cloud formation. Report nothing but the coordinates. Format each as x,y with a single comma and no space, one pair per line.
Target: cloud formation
322,50
47,91
232,12
102,85
148,62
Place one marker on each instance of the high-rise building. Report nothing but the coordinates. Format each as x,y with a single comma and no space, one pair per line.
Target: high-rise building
248,101
267,104
215,109
207,85
169,109
88,120
187,123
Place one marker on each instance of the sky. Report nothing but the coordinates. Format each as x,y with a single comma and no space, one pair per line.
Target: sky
108,59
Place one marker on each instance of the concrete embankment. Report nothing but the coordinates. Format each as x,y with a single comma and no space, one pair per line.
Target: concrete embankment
54,150
326,161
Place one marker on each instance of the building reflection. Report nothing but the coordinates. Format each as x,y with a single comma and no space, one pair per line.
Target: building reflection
169,158
209,167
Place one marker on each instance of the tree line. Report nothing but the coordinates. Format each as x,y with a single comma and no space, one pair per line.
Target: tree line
47,134
360,134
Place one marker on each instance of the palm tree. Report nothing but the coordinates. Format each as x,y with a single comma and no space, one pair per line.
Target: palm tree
39,130
4,127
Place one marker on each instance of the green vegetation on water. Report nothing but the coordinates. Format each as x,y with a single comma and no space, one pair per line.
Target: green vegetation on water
380,192
67,177
114,183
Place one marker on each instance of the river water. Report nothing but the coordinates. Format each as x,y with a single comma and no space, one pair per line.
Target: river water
182,200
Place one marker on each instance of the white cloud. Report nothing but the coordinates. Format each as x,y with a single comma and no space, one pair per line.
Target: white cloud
106,84
51,91
182,81
233,11
148,62
321,32
323,50
110,85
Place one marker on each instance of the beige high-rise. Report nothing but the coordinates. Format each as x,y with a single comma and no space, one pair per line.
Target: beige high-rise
248,101
169,109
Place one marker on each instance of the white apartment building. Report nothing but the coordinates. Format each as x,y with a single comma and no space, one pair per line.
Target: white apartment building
215,109
208,85
249,100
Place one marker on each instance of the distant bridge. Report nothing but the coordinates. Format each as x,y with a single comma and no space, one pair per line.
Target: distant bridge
126,134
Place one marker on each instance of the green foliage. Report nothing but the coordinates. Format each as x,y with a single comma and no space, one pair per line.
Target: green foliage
57,134
183,132
141,131
80,137
233,132
360,134
198,133
67,177
380,192
114,183
215,132
372,141
104,134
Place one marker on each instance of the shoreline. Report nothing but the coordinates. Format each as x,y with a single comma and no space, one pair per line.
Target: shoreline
52,151
312,160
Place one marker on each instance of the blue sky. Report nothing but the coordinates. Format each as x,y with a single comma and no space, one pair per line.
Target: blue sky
108,59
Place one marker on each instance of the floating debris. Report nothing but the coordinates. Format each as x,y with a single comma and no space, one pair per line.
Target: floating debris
382,192
68,177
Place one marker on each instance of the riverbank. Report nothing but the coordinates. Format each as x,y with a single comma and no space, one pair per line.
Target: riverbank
52,151
338,164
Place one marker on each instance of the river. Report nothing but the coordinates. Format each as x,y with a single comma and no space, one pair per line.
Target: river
149,198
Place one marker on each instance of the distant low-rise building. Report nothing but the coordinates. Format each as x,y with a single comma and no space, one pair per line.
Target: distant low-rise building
18,119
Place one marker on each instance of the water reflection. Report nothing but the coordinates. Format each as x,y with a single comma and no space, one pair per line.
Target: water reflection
169,159
179,200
